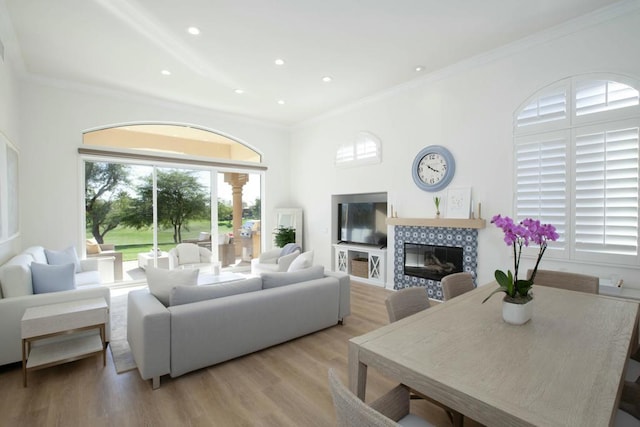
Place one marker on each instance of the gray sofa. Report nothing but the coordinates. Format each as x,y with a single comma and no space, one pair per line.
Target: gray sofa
237,318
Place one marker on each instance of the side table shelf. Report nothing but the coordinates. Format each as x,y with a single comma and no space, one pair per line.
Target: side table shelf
71,319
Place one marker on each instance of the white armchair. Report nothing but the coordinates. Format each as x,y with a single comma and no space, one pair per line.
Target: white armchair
189,255
273,261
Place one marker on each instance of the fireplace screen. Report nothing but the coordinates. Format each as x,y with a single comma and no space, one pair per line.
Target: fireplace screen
431,262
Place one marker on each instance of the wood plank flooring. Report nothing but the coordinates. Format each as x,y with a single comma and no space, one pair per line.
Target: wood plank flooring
285,385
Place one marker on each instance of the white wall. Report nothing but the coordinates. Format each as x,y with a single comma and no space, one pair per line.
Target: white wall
52,121
9,128
470,111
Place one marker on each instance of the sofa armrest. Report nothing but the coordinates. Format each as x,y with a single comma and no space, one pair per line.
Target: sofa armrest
206,256
270,256
173,259
345,291
107,247
149,335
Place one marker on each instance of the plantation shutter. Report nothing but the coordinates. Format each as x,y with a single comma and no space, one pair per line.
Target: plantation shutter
595,96
541,181
606,193
549,106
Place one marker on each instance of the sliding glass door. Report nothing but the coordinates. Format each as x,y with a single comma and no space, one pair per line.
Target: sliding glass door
137,213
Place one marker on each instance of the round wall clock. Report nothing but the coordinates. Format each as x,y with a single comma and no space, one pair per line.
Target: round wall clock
433,168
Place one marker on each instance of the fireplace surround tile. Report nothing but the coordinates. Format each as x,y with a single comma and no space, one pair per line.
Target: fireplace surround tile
465,238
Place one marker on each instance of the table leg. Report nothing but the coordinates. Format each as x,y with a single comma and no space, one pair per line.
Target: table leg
357,372
24,363
103,337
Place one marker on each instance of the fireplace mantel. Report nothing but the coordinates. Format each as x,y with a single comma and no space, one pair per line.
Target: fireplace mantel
439,222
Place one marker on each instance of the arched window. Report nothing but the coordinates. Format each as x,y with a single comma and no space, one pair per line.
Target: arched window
150,187
577,166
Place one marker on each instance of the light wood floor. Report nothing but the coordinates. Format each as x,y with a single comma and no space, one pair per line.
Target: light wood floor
285,385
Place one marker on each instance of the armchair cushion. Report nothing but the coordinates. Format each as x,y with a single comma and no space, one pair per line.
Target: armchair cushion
93,247
161,281
188,253
301,262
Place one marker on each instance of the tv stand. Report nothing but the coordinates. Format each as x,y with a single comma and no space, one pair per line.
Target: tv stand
363,263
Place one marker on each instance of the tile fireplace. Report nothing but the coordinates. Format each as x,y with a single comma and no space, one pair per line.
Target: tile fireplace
423,255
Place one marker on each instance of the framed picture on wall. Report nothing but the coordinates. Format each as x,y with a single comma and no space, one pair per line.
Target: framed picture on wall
458,202
9,211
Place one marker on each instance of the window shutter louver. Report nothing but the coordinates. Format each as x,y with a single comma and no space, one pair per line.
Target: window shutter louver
541,182
345,154
595,96
548,107
606,217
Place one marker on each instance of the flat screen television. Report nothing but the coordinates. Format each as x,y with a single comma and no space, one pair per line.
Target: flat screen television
363,223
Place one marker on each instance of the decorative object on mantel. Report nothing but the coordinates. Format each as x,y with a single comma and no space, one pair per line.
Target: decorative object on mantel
436,201
517,306
458,202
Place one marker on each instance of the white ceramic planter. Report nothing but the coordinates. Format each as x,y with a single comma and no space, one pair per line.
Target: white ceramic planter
517,314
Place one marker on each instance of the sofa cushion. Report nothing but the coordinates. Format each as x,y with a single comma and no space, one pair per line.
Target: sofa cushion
302,261
37,253
188,294
91,277
161,281
52,278
66,256
15,277
274,280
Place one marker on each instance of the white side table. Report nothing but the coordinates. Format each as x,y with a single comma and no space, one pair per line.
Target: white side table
67,318
146,258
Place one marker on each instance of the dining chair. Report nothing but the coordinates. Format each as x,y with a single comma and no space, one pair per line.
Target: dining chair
390,410
564,280
456,284
405,302
629,405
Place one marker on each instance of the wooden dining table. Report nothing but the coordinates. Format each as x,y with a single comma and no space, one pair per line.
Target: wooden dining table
565,367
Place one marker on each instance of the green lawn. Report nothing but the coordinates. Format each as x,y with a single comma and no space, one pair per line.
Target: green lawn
131,242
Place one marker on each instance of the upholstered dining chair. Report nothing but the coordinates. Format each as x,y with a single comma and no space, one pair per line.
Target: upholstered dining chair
405,302
391,409
456,284
564,280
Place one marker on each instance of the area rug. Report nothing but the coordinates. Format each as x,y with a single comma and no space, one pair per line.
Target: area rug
120,351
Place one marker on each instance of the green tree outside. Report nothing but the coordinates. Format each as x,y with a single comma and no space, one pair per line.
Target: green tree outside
180,198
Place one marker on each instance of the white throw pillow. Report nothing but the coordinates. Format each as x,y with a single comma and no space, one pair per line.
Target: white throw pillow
66,256
302,261
52,278
161,281
188,253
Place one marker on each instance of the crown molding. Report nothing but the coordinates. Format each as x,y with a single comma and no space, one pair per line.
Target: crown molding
596,17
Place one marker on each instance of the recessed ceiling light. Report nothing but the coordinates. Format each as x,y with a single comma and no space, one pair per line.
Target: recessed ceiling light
419,68
327,79
193,31
165,72
279,61
281,101
239,91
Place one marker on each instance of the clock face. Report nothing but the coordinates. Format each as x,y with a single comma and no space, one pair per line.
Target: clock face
433,168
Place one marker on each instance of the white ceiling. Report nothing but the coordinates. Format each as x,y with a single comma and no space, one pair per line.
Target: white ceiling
367,46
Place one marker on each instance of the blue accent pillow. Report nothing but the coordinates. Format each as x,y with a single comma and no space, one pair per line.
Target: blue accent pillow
65,256
52,278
